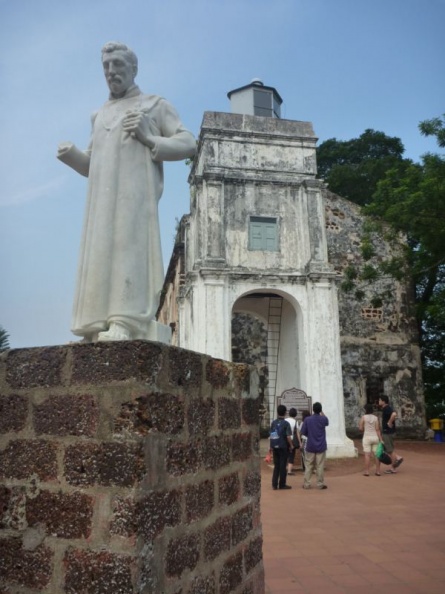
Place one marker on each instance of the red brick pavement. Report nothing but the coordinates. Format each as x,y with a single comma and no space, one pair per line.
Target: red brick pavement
363,535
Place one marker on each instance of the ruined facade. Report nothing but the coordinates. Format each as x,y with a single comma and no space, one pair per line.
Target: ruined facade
379,345
255,243
266,242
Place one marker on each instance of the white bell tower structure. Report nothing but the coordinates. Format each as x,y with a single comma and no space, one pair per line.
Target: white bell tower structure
255,242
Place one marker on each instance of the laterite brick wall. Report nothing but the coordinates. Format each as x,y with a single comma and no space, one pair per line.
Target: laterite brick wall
128,467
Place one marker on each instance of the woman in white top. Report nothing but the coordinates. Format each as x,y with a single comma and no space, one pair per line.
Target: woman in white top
370,426
296,440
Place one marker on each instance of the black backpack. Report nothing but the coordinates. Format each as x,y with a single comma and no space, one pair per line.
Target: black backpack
278,438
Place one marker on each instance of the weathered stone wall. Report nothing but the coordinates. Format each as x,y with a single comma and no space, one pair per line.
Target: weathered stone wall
128,467
379,346
249,339
253,166
247,165
380,351
167,313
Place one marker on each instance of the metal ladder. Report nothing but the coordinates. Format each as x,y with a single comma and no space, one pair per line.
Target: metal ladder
273,347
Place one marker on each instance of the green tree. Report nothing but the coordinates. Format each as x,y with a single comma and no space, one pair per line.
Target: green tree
434,127
410,198
4,339
352,168
413,203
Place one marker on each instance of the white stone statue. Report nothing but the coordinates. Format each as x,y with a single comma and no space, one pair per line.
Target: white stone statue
120,272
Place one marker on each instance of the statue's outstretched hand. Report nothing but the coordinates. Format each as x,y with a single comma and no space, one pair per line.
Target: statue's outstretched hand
68,153
137,125
63,148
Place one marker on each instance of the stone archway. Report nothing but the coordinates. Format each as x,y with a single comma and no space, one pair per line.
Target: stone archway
265,334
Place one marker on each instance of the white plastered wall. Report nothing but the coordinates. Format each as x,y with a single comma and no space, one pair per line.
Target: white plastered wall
310,343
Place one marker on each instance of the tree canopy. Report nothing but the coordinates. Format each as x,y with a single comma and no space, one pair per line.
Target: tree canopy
352,168
414,204
410,197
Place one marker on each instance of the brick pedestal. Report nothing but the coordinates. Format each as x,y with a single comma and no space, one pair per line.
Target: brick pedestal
128,467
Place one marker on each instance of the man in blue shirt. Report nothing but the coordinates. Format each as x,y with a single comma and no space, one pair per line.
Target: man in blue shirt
314,428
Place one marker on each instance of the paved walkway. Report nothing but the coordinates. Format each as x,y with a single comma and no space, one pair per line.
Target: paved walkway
363,535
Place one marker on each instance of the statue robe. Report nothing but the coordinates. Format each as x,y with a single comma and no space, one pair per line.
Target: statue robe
120,273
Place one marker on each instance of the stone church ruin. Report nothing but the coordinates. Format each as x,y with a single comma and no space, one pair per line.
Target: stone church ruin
256,267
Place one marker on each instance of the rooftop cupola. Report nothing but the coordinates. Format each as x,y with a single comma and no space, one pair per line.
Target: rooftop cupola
256,99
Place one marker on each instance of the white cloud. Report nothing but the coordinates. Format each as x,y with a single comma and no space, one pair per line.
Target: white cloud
32,193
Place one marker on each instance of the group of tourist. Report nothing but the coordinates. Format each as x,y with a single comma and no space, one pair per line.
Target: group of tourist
309,436
286,435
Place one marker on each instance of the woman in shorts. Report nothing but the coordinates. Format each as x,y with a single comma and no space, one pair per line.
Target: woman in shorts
370,426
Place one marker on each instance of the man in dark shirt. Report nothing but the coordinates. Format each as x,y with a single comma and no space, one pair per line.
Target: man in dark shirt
280,444
389,416
314,428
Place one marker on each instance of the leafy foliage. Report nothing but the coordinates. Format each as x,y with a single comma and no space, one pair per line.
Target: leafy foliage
434,127
405,201
414,205
352,168
4,339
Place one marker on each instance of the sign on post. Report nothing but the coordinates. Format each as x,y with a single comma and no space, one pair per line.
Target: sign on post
297,399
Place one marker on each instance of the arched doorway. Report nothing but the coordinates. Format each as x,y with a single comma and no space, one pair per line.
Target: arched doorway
265,334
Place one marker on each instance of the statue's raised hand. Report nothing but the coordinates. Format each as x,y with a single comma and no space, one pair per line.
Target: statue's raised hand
136,123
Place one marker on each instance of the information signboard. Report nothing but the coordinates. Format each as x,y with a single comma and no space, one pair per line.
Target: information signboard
297,399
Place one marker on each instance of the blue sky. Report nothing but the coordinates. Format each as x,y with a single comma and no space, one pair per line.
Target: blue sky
344,65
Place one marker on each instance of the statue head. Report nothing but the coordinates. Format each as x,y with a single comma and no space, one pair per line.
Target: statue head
120,66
